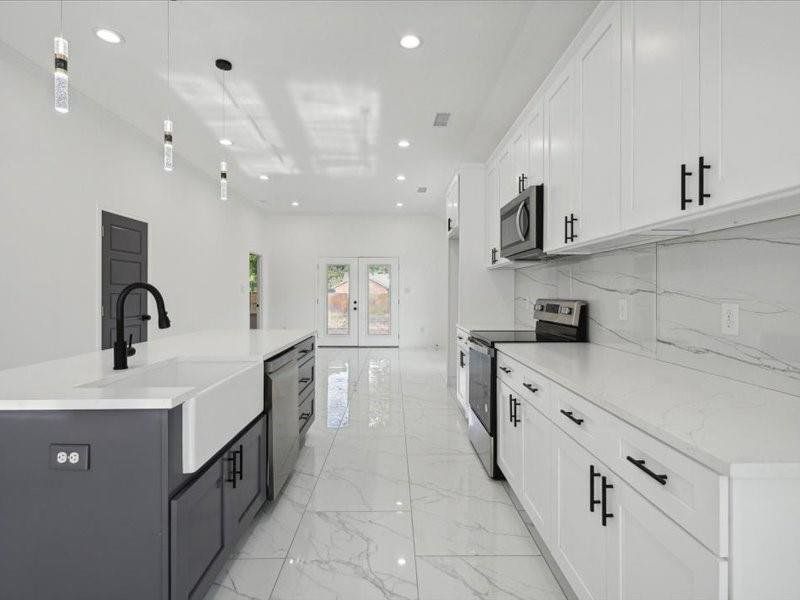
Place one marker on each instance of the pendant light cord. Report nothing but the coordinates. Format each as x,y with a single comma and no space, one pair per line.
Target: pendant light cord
224,102
169,60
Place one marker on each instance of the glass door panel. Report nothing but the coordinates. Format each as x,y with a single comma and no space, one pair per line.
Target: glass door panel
338,302
379,298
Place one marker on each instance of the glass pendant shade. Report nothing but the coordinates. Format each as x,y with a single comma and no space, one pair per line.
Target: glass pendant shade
168,145
60,75
223,180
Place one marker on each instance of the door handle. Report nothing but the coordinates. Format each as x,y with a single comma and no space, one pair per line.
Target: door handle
494,255
572,219
305,380
516,407
518,221
566,225
510,409
701,168
241,462
605,515
592,475
571,416
530,387
449,223
505,370
461,359
522,183
684,175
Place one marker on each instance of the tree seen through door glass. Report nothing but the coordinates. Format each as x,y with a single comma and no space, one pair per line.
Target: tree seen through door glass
379,301
338,299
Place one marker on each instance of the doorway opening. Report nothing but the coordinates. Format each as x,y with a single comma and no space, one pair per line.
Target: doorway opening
254,269
358,302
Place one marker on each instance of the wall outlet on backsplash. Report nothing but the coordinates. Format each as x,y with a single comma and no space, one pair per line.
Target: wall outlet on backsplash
623,309
730,319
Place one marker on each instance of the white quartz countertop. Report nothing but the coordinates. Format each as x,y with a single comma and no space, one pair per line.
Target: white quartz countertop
60,384
731,427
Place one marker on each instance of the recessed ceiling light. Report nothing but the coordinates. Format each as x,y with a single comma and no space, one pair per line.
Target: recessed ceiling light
264,177
400,177
403,143
410,41
399,205
226,142
109,35
295,204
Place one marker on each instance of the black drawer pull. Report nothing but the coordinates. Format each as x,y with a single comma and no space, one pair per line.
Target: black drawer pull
571,416
604,495
505,370
592,475
510,408
305,380
304,351
304,416
530,387
701,191
684,175
662,479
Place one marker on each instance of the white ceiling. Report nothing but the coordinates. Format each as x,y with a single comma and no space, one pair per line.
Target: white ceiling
319,92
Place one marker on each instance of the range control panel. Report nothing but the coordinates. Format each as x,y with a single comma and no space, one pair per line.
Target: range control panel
69,457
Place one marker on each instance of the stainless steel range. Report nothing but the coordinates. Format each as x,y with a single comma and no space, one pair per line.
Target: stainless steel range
556,321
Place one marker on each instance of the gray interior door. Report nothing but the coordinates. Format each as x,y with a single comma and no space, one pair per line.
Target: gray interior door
124,261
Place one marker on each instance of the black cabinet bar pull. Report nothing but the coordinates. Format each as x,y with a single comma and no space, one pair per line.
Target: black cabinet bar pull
639,462
241,462
530,387
522,183
571,416
516,407
304,351
566,226
505,370
684,175
701,193
494,255
592,475
510,409
605,515
572,235
449,223
461,359
307,379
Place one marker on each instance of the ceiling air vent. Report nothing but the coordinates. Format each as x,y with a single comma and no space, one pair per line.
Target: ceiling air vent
441,119
422,189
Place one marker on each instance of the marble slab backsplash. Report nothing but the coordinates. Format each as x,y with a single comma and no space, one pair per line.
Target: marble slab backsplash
673,293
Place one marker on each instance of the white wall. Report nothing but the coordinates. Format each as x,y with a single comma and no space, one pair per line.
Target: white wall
58,172
418,241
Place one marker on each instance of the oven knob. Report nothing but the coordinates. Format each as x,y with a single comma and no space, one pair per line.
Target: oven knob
565,310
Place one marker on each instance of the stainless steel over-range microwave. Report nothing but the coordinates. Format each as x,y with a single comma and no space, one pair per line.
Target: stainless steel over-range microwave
522,225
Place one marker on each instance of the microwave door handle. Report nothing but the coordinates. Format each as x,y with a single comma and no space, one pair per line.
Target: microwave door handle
519,218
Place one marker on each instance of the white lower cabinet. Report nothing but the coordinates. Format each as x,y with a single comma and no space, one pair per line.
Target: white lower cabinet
580,542
650,557
537,488
462,370
608,539
510,428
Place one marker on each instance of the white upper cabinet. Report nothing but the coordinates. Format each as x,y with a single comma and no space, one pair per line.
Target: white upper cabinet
492,217
519,158
598,69
661,106
750,99
535,130
451,207
505,171
560,179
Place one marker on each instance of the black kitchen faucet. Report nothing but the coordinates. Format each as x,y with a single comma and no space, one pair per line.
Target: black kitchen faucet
123,349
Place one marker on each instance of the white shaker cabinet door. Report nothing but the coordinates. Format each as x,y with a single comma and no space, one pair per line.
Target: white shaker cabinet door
560,180
579,538
535,131
660,109
650,557
598,70
509,430
750,77
538,476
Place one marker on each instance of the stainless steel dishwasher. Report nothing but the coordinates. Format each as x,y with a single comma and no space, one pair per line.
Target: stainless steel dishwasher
283,447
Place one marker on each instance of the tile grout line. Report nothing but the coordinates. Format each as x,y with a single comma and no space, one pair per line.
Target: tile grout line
408,473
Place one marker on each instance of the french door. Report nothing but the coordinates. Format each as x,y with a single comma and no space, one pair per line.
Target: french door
357,302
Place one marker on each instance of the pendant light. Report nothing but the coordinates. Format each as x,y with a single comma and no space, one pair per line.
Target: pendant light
168,163
224,66
61,58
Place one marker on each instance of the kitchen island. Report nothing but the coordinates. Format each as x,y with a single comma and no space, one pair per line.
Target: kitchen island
138,483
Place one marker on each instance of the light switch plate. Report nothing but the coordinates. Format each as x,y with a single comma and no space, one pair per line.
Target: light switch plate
69,457
730,319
